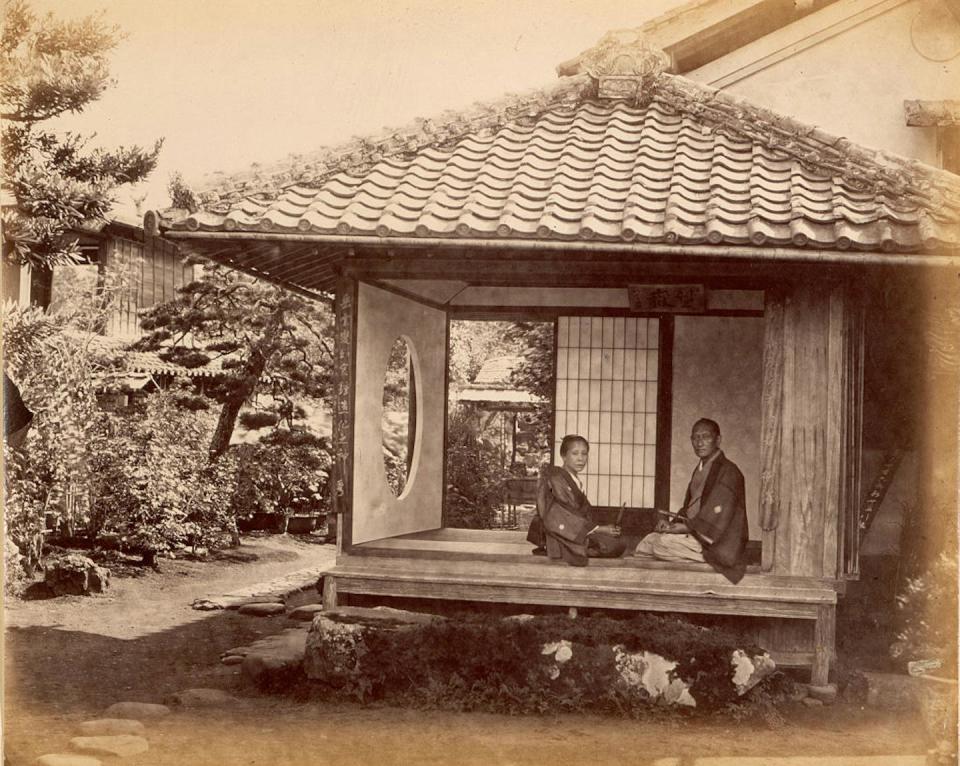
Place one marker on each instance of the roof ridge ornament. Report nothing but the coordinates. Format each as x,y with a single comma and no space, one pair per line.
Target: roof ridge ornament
624,64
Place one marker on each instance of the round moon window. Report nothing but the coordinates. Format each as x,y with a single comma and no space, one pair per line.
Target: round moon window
399,422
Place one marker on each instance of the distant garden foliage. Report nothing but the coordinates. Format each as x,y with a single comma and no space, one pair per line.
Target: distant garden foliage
474,472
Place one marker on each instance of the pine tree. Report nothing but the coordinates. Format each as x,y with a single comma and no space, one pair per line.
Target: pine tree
261,339
54,183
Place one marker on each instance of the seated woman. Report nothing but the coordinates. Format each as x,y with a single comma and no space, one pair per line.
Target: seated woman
563,527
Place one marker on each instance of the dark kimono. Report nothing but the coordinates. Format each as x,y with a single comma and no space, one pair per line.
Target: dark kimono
559,494
721,523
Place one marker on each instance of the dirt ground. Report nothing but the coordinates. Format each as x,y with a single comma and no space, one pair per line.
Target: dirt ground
66,659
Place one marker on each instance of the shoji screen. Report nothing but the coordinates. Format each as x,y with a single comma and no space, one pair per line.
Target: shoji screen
607,392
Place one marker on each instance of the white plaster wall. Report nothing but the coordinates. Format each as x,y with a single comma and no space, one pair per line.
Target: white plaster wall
382,317
717,374
853,83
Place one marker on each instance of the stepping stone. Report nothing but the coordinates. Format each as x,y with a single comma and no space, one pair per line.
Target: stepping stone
812,702
136,710
232,659
273,661
263,609
203,698
826,694
111,726
205,605
67,759
121,745
305,612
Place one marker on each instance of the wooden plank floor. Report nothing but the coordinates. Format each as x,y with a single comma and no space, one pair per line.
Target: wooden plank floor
492,545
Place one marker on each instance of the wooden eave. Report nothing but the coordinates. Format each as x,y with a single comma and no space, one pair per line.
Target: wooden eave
310,264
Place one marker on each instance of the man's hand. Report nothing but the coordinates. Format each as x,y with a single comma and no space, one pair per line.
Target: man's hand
671,528
609,529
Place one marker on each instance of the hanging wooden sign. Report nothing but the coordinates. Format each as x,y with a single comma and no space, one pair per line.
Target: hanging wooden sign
684,299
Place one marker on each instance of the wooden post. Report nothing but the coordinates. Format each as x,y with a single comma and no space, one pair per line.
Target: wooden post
329,593
824,636
771,427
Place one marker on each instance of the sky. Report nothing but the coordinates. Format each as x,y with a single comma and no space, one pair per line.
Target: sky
230,83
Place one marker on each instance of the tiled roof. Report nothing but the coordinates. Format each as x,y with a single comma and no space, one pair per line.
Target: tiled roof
496,372
493,384
669,162
150,361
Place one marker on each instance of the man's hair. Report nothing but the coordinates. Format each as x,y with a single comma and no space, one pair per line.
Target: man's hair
569,440
711,424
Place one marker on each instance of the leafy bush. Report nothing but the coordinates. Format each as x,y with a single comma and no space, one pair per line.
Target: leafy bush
55,365
472,662
927,593
285,473
155,486
474,473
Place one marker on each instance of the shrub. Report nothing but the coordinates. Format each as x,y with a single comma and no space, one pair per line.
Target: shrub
155,486
285,473
55,365
927,593
537,665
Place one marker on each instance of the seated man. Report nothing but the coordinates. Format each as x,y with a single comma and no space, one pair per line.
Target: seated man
712,525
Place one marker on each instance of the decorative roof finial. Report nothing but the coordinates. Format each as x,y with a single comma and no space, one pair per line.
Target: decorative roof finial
623,63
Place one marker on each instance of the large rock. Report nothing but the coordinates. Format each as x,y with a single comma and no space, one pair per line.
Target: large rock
336,637
120,745
75,575
109,726
136,710
67,759
203,698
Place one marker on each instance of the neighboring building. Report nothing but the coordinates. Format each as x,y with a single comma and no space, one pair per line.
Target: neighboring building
151,272
507,411
697,254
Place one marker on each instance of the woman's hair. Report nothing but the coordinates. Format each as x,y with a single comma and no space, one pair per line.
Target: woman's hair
569,440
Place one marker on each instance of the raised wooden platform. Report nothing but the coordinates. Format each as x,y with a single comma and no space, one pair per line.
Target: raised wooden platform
491,566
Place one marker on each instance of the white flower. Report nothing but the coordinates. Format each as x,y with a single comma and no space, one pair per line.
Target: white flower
565,652
550,648
554,672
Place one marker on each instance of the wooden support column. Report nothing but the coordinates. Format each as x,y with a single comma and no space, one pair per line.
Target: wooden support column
329,593
836,434
771,426
345,334
824,636
800,530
